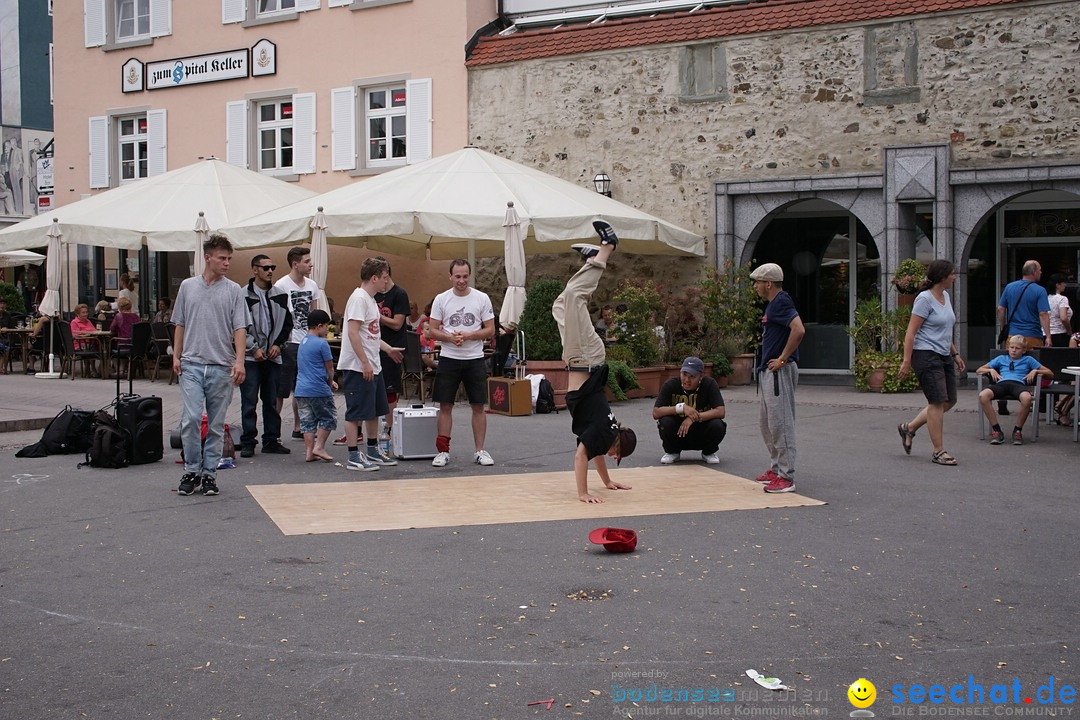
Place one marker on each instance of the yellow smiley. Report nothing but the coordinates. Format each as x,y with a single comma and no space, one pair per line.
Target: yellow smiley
862,693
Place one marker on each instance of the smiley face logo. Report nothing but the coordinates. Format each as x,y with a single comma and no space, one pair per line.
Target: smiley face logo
862,693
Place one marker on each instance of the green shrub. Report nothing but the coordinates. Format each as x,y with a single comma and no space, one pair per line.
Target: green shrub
542,341
14,298
620,379
643,307
731,307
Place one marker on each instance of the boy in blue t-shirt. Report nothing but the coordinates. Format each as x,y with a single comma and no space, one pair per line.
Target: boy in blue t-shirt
315,387
1011,375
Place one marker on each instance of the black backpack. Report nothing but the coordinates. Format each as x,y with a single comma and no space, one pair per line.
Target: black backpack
110,446
545,398
70,431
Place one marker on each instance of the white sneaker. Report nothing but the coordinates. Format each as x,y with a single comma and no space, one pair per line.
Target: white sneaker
441,459
670,458
710,459
363,464
483,458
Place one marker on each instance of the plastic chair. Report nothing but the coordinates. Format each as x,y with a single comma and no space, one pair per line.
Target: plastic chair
1033,417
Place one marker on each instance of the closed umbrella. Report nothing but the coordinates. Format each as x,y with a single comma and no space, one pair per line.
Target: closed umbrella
202,234
318,257
50,304
514,259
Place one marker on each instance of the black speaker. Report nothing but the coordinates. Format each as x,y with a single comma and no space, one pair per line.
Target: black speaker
141,417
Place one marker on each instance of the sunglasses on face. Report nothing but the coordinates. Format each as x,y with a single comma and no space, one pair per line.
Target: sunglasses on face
271,268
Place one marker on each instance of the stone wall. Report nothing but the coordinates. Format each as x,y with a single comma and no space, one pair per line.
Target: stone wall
1000,86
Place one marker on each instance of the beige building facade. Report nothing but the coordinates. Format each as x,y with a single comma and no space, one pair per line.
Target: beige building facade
316,92
834,138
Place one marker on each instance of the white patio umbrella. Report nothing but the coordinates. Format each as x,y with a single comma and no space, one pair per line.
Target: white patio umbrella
158,211
319,258
514,259
14,258
202,234
455,203
50,303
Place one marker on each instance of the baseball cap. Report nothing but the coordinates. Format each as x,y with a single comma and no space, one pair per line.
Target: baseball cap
627,443
769,271
693,365
616,540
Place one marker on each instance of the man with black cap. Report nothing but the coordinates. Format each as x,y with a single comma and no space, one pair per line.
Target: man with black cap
598,433
689,413
778,375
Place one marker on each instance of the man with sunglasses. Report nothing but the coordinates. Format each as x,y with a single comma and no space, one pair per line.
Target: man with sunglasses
269,326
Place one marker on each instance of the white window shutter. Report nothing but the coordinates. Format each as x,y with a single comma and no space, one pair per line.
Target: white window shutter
94,22
304,5
339,3
236,135
343,128
233,11
160,18
156,143
99,152
303,133
418,120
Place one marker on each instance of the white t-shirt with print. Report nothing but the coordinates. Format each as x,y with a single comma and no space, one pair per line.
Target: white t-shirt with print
301,303
361,307
462,314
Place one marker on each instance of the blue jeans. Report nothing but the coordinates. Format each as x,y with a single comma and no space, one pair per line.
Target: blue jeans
208,386
260,383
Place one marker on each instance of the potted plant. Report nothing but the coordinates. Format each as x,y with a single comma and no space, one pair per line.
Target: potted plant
732,313
879,339
641,307
907,280
543,346
621,380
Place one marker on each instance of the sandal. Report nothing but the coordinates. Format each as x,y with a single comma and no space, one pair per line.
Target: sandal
906,436
943,458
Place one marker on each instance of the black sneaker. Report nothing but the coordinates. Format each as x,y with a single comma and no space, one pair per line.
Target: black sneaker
248,451
209,486
587,251
606,233
275,449
188,484
297,435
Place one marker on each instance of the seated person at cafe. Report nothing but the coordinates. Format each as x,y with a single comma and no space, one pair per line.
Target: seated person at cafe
37,341
81,326
1010,377
164,310
689,413
122,324
7,320
102,309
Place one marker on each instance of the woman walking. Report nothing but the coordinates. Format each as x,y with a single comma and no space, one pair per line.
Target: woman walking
929,350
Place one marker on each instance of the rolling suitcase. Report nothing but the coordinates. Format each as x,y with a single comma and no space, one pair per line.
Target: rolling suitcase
413,436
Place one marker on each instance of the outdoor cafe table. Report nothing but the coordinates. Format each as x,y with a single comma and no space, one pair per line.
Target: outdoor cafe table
22,335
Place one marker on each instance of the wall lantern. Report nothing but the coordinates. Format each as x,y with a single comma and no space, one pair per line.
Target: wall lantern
602,183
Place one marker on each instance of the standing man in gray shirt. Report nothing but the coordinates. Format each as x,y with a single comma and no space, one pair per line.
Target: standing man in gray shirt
208,357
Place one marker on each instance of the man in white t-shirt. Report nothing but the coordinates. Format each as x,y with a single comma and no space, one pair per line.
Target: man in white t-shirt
303,294
462,319
362,381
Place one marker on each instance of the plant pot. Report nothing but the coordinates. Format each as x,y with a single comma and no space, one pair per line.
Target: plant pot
722,381
875,380
742,369
905,299
672,371
556,373
650,379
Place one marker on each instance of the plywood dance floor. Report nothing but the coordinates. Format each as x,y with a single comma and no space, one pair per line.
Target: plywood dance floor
313,508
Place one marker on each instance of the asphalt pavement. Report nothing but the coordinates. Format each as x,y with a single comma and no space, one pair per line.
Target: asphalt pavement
119,598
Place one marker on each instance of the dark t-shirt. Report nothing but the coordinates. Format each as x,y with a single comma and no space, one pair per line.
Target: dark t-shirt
394,302
593,422
6,320
776,328
706,397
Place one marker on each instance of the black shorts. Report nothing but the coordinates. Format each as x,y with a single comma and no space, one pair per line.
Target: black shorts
1008,389
364,399
391,373
287,378
453,372
937,375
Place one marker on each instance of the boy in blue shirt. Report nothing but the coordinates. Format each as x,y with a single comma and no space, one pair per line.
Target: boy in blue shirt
1011,375
314,387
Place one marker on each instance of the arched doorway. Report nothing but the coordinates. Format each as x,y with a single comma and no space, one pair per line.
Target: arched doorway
825,272
1042,225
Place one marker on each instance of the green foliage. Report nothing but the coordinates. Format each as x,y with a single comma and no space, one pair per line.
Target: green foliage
643,307
909,276
620,378
721,364
879,345
14,298
542,341
731,308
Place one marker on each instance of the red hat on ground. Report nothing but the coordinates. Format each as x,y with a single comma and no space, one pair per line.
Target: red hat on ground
614,540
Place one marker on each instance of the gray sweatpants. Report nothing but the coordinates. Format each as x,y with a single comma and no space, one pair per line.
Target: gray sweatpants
777,417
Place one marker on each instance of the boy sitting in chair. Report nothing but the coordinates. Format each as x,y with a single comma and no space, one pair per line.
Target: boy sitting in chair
1011,375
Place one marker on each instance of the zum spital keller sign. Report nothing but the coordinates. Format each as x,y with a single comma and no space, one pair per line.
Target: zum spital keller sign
261,59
